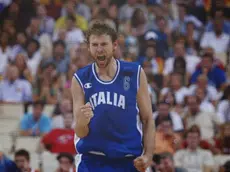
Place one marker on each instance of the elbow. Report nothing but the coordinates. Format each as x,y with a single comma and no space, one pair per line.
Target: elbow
81,134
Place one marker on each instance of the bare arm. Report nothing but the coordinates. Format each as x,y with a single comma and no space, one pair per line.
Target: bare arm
144,104
81,130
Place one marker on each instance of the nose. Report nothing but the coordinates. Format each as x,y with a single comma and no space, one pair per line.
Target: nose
99,49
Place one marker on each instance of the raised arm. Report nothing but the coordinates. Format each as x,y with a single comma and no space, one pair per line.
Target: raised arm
82,112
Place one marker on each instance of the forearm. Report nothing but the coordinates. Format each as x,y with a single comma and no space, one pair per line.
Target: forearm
25,133
207,169
80,129
148,136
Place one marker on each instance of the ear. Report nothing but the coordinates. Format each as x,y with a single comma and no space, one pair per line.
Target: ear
115,44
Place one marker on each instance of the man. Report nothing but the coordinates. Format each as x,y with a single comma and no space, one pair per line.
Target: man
66,163
194,159
6,165
22,160
35,123
108,97
60,139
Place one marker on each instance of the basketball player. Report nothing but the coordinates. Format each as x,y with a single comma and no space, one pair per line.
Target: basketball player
112,108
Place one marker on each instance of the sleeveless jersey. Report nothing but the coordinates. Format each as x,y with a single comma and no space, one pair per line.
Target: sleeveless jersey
115,129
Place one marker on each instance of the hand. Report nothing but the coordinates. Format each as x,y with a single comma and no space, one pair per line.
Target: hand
86,114
142,163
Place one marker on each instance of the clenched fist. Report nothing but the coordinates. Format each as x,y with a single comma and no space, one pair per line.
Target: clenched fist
85,115
142,163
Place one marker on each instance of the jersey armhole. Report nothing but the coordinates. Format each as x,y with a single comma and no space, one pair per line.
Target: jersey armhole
138,77
79,81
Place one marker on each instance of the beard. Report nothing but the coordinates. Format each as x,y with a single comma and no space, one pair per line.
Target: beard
102,61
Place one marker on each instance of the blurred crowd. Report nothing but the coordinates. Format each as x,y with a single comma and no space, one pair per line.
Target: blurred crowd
183,46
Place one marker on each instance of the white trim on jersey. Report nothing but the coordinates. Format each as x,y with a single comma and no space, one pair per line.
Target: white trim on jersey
103,82
138,77
78,79
77,161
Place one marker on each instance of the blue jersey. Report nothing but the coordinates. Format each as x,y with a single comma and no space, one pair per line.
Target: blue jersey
115,129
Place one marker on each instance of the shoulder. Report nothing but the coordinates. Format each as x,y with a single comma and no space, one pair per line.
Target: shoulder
84,70
130,66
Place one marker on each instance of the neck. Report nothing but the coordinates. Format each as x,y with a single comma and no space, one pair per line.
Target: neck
193,149
109,70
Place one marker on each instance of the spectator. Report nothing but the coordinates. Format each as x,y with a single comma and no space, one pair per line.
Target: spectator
22,160
66,162
35,123
61,139
193,158
164,112
223,108
166,140
167,164
216,76
6,165
206,121
13,89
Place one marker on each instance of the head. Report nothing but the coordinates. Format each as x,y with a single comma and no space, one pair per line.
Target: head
150,52
41,11
218,25
193,137
163,109
4,39
138,18
12,73
34,25
200,93
161,23
202,81
59,50
38,109
166,126
66,161
179,49
193,103
170,98
65,106
32,46
22,159
179,65
226,94
21,38
182,11
70,22
70,7
20,61
175,81
207,61
102,43
68,120
132,2
190,27
167,161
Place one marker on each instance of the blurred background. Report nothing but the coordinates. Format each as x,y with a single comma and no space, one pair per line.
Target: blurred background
182,45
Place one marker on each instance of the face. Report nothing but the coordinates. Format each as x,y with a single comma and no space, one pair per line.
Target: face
66,106
193,140
163,109
68,120
65,164
179,50
175,81
206,62
37,111
12,73
20,60
32,47
166,127
200,93
167,163
227,131
59,52
102,49
193,104
21,38
169,97
150,52
21,162
41,10
4,38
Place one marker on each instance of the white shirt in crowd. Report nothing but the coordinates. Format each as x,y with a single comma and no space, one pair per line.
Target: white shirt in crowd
193,161
191,64
176,120
219,44
179,94
223,110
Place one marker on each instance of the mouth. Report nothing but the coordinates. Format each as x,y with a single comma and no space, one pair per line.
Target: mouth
101,58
